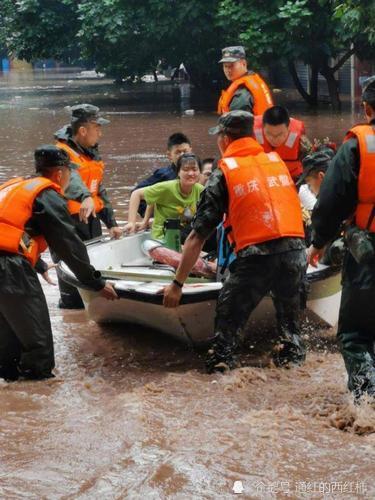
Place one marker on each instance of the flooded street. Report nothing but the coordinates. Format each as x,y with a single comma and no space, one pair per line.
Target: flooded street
131,413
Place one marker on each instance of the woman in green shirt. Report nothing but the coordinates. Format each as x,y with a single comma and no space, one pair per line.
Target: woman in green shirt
176,199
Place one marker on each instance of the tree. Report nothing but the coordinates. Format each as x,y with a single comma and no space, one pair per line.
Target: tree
358,17
127,37
31,29
318,32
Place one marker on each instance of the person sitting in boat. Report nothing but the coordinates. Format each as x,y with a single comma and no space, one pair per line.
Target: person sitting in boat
207,165
177,145
175,199
315,167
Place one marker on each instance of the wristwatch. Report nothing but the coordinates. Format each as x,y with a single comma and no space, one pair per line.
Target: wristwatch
178,283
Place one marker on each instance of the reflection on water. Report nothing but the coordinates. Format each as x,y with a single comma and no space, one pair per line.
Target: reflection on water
131,413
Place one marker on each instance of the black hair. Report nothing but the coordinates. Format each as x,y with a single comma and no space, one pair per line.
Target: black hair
207,160
75,126
238,135
176,139
186,157
277,115
48,171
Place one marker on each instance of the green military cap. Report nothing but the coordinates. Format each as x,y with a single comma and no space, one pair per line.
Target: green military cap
316,162
232,54
368,89
235,122
50,156
84,113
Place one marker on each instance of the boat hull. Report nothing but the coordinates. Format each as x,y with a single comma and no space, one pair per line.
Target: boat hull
141,296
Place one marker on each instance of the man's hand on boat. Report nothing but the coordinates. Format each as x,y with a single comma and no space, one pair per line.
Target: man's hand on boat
87,209
108,292
47,277
192,249
314,255
115,232
172,295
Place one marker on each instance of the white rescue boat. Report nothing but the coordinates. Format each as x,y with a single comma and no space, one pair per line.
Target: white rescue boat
139,282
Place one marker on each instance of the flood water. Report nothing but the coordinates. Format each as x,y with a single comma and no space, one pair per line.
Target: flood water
131,414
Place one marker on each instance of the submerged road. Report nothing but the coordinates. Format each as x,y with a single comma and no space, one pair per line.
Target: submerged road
131,414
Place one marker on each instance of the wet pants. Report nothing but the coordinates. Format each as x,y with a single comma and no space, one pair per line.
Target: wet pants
356,328
250,280
70,297
26,343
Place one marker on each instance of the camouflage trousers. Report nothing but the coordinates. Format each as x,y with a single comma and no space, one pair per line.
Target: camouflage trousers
69,295
251,278
356,328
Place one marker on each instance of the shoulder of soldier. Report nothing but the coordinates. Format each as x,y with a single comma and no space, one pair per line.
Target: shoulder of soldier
242,100
50,197
242,91
347,156
64,133
216,181
348,149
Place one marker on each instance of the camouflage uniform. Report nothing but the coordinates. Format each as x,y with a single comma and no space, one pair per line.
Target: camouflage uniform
338,198
26,343
277,266
242,99
78,191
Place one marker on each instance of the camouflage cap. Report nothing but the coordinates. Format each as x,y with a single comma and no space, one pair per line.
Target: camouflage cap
316,162
84,113
368,89
236,122
232,54
50,156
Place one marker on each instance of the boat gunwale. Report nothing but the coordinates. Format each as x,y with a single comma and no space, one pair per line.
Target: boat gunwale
151,298
157,298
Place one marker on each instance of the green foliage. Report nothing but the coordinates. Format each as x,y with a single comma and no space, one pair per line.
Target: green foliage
357,17
32,29
309,30
316,32
129,37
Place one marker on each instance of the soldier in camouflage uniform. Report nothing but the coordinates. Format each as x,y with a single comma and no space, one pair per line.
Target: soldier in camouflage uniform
277,265
247,91
341,196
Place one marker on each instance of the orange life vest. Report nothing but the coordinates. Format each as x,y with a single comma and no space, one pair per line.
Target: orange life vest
365,135
258,88
290,150
17,197
91,172
263,200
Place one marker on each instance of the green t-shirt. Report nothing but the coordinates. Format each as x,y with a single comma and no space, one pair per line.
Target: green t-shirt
170,203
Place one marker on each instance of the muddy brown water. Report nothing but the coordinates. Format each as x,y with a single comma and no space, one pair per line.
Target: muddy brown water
131,414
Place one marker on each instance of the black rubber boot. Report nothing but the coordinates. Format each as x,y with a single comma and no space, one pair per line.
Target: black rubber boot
70,304
31,375
10,373
361,374
221,355
289,350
